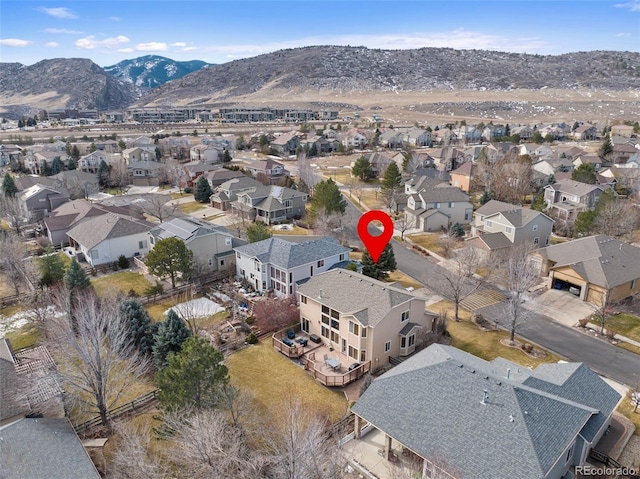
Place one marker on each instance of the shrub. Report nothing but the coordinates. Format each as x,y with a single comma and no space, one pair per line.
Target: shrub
610,334
132,293
123,262
188,189
114,266
583,322
352,267
527,348
250,320
252,338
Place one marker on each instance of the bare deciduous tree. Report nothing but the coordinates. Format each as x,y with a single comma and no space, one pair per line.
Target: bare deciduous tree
404,222
119,175
461,281
306,172
601,308
275,314
133,458
12,264
11,209
158,206
617,218
520,275
97,360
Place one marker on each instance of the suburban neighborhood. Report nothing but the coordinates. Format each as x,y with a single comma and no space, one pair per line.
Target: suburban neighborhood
186,289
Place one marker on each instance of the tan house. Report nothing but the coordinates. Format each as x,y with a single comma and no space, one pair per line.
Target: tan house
596,265
364,319
463,176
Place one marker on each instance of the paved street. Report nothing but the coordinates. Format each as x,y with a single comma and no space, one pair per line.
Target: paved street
608,360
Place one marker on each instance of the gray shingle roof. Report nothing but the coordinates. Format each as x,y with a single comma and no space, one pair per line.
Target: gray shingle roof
93,231
494,206
353,293
443,194
186,229
286,254
432,404
599,259
494,241
38,448
574,187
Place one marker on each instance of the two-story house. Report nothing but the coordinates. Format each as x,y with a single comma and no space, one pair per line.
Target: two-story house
37,201
211,245
270,169
90,163
276,264
9,153
287,143
131,155
227,193
462,177
567,198
363,318
355,139
391,139
498,225
272,204
205,153
432,205
417,137
144,173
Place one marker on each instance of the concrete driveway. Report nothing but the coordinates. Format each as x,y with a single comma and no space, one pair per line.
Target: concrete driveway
561,306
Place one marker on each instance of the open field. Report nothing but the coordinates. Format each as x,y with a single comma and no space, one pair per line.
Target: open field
271,378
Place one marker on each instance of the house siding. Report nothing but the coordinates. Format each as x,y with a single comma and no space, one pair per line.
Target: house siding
109,250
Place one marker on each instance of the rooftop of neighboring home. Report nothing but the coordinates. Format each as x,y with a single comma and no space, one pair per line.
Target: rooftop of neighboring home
145,165
221,175
76,210
573,187
38,188
466,169
189,228
93,231
445,404
517,216
287,254
599,259
44,447
25,182
348,292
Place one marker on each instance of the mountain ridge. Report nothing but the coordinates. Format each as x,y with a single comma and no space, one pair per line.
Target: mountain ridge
152,71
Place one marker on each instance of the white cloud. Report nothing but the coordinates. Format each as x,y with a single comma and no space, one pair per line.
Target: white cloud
634,5
179,44
58,12
52,44
14,42
623,35
62,30
152,47
114,19
90,42
188,49
125,50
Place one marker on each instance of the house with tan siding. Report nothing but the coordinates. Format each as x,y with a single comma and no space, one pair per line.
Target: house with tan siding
365,319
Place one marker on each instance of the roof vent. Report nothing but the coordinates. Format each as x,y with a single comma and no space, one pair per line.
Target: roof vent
508,372
485,397
511,418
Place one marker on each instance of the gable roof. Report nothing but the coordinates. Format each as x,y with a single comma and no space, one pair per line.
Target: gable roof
574,187
352,293
286,254
44,447
599,259
443,194
466,169
433,404
189,228
93,231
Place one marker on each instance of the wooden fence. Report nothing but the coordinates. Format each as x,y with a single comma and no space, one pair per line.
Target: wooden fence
138,403
9,300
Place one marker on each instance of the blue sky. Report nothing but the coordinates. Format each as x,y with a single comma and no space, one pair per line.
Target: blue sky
221,31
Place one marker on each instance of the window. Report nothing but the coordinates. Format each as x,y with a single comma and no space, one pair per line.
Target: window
142,244
508,229
405,316
364,332
412,340
546,241
354,328
452,204
488,223
320,263
335,324
210,262
221,262
353,352
305,325
303,299
237,255
569,453
324,331
387,346
403,342
633,284
536,240
256,266
535,227
363,356
342,257
152,240
227,241
437,206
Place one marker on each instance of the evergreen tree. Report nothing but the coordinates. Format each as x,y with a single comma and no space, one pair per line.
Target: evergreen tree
75,277
139,322
607,147
45,169
192,377
103,174
170,258
392,179
485,198
92,147
122,145
158,154
380,270
537,137
9,187
226,156
362,169
51,268
585,173
258,231
203,191
71,165
327,195
456,230
171,333
75,153
56,166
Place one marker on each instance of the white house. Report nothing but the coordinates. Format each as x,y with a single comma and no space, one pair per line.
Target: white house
276,264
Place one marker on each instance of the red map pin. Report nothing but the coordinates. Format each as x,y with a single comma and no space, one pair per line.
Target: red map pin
375,244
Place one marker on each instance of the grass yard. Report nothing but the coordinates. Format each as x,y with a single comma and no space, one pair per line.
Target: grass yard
271,377
371,200
297,230
156,310
191,207
624,323
404,280
626,409
340,175
430,241
5,287
486,344
122,281
355,255
25,336
176,196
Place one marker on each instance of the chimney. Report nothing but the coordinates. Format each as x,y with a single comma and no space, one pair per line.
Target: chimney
485,397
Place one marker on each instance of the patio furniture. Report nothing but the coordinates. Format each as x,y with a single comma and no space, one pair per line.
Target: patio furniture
288,342
353,366
291,334
302,341
333,363
315,338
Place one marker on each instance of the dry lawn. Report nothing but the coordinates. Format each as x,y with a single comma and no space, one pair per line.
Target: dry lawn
191,207
626,324
404,280
271,378
25,336
467,336
430,241
122,281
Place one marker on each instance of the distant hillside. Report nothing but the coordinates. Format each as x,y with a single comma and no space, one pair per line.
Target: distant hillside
152,71
359,69
60,83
